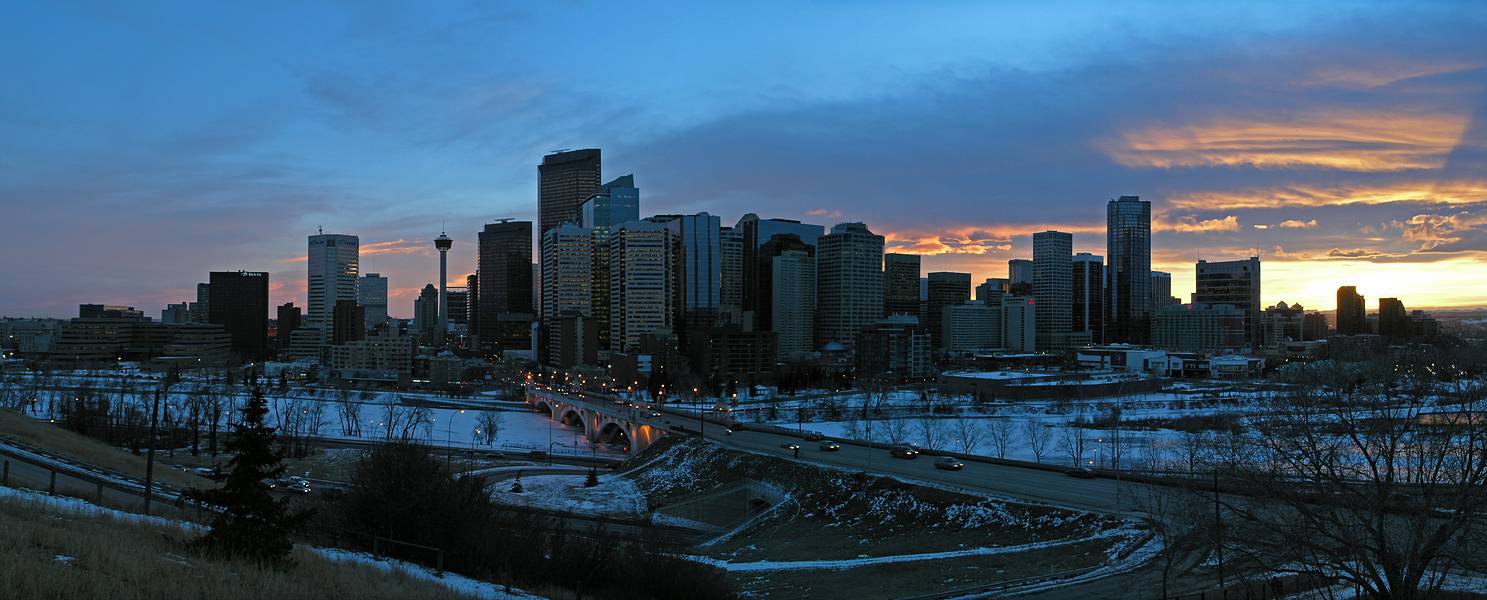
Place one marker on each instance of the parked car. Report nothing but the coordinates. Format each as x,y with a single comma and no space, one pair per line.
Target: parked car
814,436
1081,472
830,446
949,464
904,451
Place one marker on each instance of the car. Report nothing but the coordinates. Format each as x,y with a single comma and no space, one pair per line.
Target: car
293,485
1081,472
814,436
791,446
655,414
829,446
904,451
949,464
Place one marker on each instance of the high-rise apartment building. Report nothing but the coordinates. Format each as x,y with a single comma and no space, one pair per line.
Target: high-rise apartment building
567,285
371,294
849,284
787,268
288,321
730,292
900,284
505,286
639,283
239,303
1128,249
1236,283
334,270
1161,291
1053,288
1019,324
564,180
1088,314
944,289
1394,320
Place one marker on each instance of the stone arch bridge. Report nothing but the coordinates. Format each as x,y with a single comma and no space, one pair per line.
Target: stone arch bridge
603,420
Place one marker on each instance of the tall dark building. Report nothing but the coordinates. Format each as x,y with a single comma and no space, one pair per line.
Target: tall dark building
776,246
289,317
755,233
1053,254
1128,248
900,284
472,305
945,289
504,285
239,303
1351,319
1089,296
1394,320
564,180
1236,283
348,322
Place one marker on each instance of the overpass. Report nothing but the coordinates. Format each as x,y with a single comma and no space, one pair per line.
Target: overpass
604,419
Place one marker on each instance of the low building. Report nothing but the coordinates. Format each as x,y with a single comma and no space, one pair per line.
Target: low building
1122,357
1235,366
897,346
29,337
1209,328
385,358
971,327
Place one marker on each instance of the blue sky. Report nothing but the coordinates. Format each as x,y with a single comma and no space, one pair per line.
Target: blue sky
143,145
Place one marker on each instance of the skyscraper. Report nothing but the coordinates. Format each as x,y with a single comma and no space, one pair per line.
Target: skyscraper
567,281
348,322
756,232
1128,246
900,284
613,203
289,318
1019,323
1236,283
849,284
1088,296
945,289
426,313
1351,318
564,180
1053,288
505,286
787,277
1394,321
730,293
371,294
639,283
697,267
443,244
1161,291
239,303
333,270
200,312
1019,271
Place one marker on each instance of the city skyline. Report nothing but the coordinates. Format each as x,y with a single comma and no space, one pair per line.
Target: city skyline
1336,162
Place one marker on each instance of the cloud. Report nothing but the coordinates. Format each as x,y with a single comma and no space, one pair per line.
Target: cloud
1339,194
1192,224
1298,224
822,212
399,246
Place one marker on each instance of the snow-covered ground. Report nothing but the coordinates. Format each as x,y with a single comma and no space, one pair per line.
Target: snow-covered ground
614,497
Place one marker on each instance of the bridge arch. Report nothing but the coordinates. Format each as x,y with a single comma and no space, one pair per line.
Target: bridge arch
614,432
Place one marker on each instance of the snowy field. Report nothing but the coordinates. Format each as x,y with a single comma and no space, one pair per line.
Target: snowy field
614,497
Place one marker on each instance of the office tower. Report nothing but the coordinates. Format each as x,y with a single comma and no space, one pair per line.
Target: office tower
472,309
1019,324
333,269
1053,288
567,281
1236,283
697,269
1128,250
971,327
505,286
289,320
1088,296
1282,323
1161,290
443,244
238,301
426,313
371,294
1208,328
564,180
1394,321
787,277
613,203
176,314
348,322
1019,271
756,232
849,283
203,303
900,284
990,292
944,289
458,302
639,283
730,294
896,347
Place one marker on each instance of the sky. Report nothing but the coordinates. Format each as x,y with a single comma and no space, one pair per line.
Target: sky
143,145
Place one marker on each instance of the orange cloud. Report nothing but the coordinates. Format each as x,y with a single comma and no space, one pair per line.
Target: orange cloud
1191,224
399,246
1298,224
1379,72
1326,139
822,212
1452,192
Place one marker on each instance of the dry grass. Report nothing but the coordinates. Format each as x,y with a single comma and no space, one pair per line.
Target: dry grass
88,450
117,559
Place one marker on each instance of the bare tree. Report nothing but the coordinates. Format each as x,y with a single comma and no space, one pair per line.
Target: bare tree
895,431
1072,441
487,427
932,432
1000,432
968,434
1038,437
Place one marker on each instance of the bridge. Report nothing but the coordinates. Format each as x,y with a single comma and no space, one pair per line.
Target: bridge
604,419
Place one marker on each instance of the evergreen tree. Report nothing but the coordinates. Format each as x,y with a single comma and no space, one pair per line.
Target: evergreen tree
252,524
516,487
593,478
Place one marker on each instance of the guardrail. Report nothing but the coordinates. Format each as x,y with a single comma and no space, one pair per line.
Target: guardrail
93,476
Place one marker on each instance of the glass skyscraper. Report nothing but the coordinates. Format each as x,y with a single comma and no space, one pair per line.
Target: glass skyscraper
1128,244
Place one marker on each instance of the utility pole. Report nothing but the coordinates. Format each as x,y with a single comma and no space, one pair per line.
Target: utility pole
1218,527
150,452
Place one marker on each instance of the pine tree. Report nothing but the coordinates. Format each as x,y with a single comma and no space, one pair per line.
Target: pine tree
516,487
593,478
251,524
